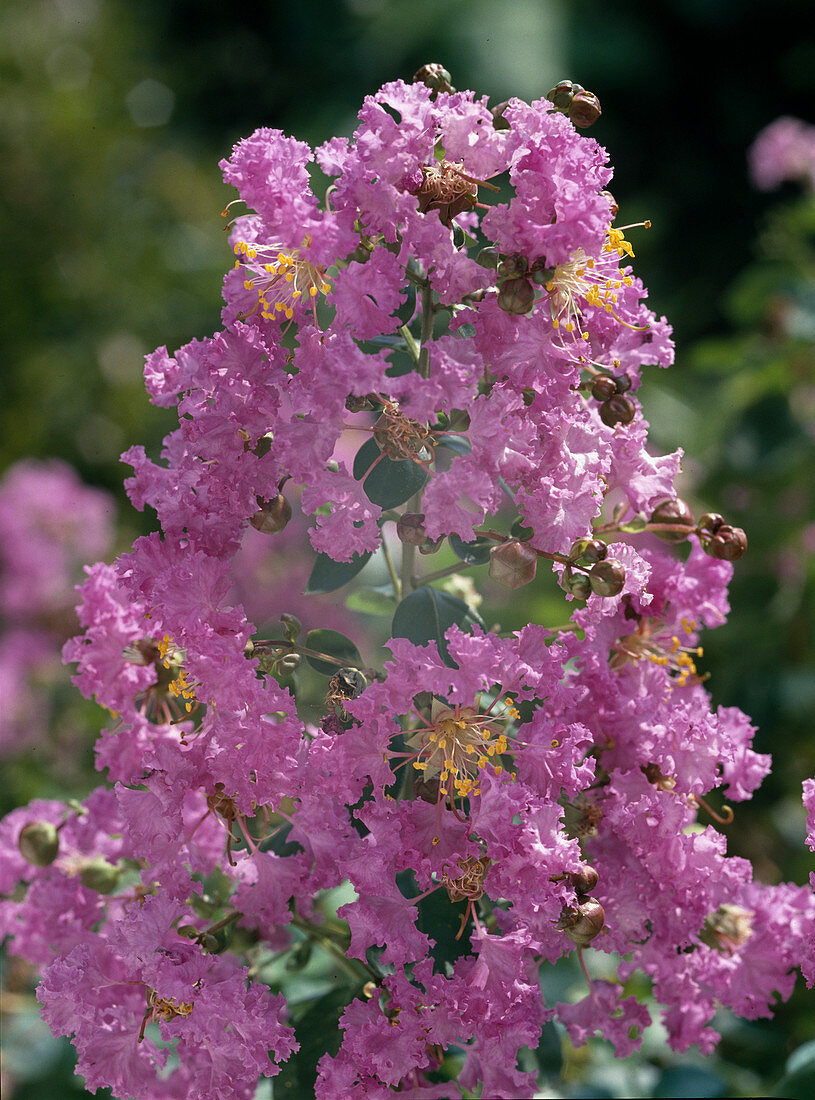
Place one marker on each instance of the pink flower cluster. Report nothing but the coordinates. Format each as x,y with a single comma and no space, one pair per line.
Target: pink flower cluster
784,150
461,307
50,524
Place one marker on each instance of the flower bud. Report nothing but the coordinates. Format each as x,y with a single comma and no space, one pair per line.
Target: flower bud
39,843
541,272
579,585
272,516
673,511
727,544
612,202
584,880
288,663
622,382
603,388
583,922
607,577
562,94
584,109
516,296
432,546
710,521
99,875
435,76
617,410
513,563
514,264
590,550
410,528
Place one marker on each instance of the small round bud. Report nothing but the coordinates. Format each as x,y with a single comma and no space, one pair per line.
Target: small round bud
498,120
516,296
612,202
435,76
584,880
603,388
579,585
488,257
432,546
727,544
288,663
514,264
673,511
39,843
584,922
710,521
272,516
292,627
622,382
617,410
410,528
584,109
513,563
590,550
99,875
561,95
607,577
540,272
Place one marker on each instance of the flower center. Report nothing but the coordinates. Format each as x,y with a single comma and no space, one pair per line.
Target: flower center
668,651
281,278
584,281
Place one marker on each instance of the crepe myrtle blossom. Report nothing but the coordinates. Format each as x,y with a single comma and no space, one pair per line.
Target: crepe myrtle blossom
449,346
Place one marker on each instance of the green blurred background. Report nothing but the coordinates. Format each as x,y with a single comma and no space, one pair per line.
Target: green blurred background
113,116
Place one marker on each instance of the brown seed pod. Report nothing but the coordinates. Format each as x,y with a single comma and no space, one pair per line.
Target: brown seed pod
410,528
603,388
513,563
516,296
607,577
673,511
618,409
583,922
272,516
727,544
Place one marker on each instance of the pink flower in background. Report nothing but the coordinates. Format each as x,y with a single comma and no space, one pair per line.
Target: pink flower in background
784,150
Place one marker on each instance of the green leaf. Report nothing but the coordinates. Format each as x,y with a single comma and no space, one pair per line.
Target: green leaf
371,601
690,1081
549,1053
328,575
799,1080
427,613
473,553
519,531
458,443
334,644
389,483
318,1033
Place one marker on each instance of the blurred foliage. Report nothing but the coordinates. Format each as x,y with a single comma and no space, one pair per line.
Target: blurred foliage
112,118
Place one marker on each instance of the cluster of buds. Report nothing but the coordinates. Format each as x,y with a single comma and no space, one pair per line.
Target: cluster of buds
673,521
615,406
584,921
598,573
571,99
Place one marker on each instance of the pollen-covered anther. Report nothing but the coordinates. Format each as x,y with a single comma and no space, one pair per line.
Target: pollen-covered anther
470,883
163,1009
447,188
652,642
281,278
171,658
730,926
459,743
399,437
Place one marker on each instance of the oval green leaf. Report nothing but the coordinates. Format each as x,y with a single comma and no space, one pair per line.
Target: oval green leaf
472,553
426,614
389,483
333,644
328,575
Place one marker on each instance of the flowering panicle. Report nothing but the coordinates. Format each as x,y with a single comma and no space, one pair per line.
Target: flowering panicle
422,358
